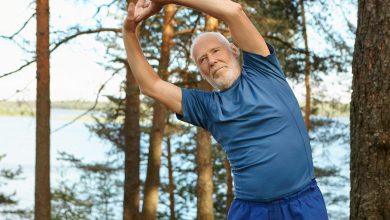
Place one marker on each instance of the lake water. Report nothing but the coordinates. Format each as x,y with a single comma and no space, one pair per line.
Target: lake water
17,141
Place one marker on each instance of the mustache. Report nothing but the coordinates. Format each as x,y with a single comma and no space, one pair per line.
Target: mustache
214,70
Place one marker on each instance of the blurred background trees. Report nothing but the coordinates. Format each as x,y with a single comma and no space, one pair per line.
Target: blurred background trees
159,168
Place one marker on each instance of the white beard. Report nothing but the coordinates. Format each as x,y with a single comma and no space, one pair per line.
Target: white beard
225,81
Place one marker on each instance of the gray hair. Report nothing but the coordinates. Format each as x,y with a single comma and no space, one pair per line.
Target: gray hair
217,35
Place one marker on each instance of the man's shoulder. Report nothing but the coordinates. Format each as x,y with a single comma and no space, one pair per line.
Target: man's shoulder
197,94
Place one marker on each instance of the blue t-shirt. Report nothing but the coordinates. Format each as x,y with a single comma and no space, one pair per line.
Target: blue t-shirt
259,124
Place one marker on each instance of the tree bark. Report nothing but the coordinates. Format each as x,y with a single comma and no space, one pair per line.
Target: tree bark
132,149
205,175
171,182
307,67
149,208
131,192
204,155
370,118
42,164
229,183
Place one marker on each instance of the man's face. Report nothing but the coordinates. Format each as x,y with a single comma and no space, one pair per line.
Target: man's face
216,62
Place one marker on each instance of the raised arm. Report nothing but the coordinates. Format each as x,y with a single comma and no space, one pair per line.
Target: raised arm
244,33
148,81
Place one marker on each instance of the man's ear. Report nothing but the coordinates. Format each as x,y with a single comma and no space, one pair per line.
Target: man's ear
235,50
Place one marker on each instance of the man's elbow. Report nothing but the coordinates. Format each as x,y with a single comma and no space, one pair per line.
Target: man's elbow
235,10
145,91
150,91
150,87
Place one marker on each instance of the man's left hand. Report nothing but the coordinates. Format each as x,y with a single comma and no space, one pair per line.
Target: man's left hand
146,8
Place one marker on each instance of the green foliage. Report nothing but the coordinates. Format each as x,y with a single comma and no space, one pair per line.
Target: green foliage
278,23
7,175
109,124
328,135
8,204
183,159
67,204
220,182
95,194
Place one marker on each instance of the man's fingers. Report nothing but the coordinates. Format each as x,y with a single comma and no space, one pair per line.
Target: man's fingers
144,9
146,4
131,10
142,4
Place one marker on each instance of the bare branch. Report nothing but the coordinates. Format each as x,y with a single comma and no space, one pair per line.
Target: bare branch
20,29
65,40
105,5
91,31
18,90
189,31
91,108
287,44
20,68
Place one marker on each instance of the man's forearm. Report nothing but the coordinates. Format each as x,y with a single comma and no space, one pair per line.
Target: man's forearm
243,32
220,9
142,71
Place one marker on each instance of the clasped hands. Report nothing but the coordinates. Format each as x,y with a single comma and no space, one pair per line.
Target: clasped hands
142,10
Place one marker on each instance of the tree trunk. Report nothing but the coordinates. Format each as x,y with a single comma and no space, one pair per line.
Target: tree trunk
204,155
229,183
42,164
131,192
370,118
171,183
149,208
132,149
205,175
307,67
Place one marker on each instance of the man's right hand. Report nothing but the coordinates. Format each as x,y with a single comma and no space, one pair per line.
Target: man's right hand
141,11
147,8
130,24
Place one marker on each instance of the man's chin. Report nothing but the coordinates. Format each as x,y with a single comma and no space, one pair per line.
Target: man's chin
222,85
220,72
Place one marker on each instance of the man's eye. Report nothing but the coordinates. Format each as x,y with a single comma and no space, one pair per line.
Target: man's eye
215,50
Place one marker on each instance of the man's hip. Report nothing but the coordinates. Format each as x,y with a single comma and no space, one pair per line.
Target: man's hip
307,204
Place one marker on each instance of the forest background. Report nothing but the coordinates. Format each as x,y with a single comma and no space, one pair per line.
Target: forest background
89,104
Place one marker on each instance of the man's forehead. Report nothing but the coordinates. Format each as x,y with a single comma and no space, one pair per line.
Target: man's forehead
206,43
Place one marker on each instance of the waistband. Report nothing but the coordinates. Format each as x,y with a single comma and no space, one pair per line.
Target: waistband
302,192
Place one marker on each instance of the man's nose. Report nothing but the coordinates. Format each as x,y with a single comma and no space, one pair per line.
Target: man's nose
212,60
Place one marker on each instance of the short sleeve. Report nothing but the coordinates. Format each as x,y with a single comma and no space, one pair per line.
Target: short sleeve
258,64
195,107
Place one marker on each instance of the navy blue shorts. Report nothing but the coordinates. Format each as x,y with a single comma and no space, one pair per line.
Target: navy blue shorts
307,204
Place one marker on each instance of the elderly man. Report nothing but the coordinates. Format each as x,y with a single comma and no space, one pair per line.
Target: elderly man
253,113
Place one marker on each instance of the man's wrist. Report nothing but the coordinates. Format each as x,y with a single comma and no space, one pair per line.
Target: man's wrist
126,31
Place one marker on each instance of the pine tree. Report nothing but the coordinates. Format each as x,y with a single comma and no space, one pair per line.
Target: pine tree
370,118
42,167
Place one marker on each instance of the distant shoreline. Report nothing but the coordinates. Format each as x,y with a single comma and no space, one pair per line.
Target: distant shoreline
27,108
